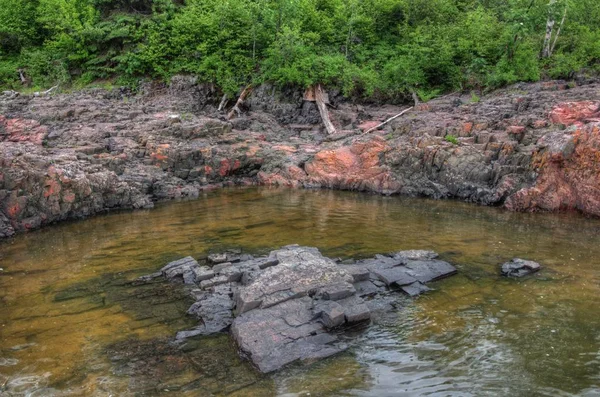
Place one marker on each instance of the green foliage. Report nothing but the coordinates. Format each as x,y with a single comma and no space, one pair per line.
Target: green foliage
475,98
452,139
8,73
381,49
17,25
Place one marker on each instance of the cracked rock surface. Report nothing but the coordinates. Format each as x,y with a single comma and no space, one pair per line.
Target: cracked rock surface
527,147
296,304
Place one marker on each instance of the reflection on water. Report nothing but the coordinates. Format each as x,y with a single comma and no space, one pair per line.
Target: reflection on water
72,324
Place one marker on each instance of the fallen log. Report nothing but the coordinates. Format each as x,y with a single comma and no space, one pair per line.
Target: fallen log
320,100
236,111
388,120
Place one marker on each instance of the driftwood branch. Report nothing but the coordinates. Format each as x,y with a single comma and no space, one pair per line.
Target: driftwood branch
388,120
236,111
320,100
50,90
44,93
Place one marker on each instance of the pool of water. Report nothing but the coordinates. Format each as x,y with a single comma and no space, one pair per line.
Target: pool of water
71,324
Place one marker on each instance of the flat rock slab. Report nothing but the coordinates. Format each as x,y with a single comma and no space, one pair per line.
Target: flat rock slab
293,304
519,268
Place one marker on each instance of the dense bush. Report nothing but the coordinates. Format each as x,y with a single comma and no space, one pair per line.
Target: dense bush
386,49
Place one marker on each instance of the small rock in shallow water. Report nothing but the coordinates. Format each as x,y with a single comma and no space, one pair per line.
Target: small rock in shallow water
519,268
281,308
215,259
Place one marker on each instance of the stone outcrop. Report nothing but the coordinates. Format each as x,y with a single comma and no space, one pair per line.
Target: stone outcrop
529,147
519,268
293,304
567,164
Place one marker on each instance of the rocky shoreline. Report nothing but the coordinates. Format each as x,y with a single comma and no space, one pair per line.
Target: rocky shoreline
295,305
528,147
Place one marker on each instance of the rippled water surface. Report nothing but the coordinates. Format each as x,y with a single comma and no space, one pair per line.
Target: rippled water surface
72,325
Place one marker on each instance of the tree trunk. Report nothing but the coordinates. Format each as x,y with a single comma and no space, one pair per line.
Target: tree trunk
546,51
320,100
558,31
236,111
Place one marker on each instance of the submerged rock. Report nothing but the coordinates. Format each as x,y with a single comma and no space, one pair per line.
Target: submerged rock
293,304
519,268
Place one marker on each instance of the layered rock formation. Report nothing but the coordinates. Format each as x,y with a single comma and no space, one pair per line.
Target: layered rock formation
293,304
530,147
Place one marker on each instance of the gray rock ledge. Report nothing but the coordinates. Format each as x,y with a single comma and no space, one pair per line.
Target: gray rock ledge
294,304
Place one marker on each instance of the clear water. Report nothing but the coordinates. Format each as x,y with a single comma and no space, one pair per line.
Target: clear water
72,325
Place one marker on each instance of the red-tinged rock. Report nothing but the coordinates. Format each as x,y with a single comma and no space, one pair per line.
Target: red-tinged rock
225,168
51,188
538,124
569,175
467,128
367,125
159,156
291,176
354,167
285,148
228,167
15,205
481,126
515,129
577,113
69,196
22,130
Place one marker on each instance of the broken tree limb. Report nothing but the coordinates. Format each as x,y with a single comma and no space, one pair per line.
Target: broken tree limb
388,120
320,100
223,103
22,76
236,111
415,98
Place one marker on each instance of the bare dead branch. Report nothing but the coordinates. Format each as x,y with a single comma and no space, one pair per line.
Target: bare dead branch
236,110
388,120
223,103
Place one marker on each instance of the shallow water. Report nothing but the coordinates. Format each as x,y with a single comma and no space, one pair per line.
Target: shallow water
72,325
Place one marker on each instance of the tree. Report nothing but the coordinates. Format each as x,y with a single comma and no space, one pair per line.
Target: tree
549,43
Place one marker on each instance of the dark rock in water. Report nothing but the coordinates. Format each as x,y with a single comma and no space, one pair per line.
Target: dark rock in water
519,268
292,305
